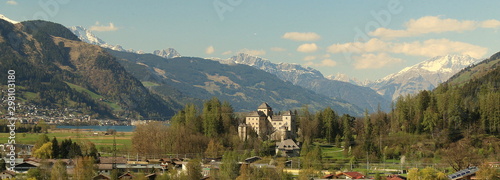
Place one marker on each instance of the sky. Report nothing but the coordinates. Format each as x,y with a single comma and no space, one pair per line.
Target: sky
364,39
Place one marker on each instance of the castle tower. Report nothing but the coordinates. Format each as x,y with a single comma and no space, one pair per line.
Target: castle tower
242,131
266,109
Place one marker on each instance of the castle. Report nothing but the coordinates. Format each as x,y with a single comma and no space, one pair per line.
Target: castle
268,125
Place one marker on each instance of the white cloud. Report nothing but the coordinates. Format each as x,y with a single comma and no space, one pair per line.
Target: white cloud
375,61
11,2
323,63
298,36
372,45
428,48
309,58
227,52
307,48
210,50
433,24
492,23
278,49
98,27
253,52
424,25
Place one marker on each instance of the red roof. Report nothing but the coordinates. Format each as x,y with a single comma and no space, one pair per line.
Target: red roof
396,177
354,175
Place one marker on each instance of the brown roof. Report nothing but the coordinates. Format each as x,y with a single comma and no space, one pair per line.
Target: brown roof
9,172
126,174
109,160
287,144
104,166
354,175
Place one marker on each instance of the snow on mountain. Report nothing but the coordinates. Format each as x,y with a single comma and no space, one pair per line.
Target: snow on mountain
293,73
423,76
7,19
346,78
168,53
87,36
312,79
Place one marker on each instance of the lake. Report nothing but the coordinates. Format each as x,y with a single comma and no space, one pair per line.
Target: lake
100,128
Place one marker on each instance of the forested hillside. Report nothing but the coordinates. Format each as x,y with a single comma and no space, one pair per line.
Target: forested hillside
56,70
242,86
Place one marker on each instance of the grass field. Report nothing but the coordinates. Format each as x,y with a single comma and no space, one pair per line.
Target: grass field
123,139
113,105
331,152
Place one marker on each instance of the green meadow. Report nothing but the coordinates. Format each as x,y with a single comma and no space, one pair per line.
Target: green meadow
102,141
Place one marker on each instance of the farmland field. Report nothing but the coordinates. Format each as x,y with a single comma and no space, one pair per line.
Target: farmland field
123,139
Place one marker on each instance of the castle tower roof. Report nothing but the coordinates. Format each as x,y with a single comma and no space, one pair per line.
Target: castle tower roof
264,106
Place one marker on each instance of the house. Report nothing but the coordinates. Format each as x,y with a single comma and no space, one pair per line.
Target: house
268,125
287,148
6,174
345,175
110,160
151,176
25,166
468,173
353,175
395,177
125,176
252,159
105,164
101,177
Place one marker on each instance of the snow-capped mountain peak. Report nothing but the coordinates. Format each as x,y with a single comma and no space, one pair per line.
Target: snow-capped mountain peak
447,63
285,71
167,53
422,76
86,35
7,19
346,78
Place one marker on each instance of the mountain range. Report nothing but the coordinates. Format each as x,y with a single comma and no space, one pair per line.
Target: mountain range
312,79
307,77
180,80
370,95
87,36
241,85
57,70
425,75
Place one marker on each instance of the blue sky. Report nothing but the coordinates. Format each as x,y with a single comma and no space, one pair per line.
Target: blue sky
363,39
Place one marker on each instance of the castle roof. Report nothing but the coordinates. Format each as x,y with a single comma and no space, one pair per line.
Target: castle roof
287,113
264,106
256,114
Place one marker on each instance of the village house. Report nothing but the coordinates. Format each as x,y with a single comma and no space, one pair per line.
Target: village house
6,174
287,148
468,173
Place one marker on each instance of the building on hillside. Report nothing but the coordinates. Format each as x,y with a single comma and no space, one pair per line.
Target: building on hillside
268,125
7,174
287,148
469,173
